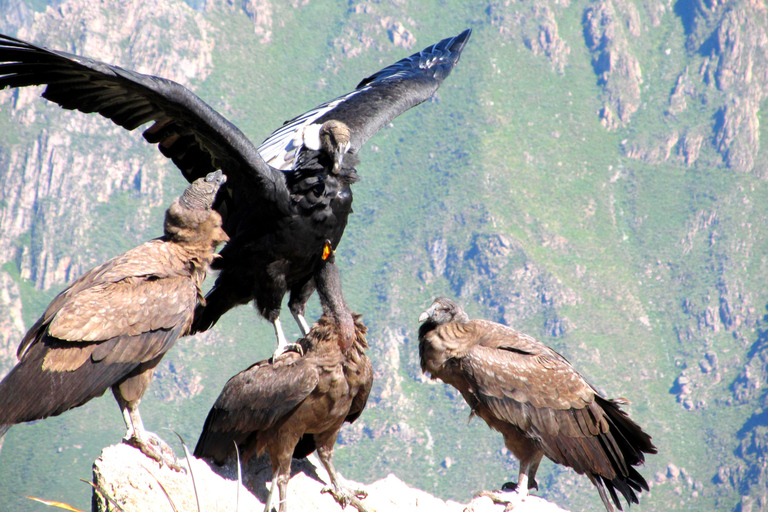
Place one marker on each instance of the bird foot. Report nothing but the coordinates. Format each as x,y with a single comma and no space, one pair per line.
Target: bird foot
509,498
156,449
346,497
511,486
290,347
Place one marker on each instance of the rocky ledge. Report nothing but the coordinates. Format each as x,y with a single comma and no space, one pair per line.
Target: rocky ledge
137,483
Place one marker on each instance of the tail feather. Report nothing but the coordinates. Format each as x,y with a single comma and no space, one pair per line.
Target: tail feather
215,443
632,444
598,483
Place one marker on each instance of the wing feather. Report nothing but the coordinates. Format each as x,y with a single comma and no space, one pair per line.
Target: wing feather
256,398
145,289
375,102
131,99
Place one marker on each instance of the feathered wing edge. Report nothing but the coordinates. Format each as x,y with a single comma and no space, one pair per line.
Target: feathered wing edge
251,401
606,453
187,130
632,444
30,392
377,99
221,430
598,440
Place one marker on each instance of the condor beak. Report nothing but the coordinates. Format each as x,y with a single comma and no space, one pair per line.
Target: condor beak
423,317
338,157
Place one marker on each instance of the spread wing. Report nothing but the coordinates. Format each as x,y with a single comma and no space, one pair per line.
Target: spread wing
188,131
376,101
254,400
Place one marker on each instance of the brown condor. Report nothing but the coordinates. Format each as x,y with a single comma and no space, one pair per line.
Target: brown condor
292,405
537,400
113,325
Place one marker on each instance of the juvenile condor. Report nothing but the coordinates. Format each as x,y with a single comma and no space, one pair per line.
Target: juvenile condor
113,325
277,213
291,405
537,400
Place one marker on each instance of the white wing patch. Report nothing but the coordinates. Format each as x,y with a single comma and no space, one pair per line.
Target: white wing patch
281,148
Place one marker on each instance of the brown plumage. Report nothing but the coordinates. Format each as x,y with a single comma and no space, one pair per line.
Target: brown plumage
111,327
537,400
293,404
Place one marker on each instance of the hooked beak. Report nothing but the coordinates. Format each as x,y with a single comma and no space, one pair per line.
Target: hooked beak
338,157
423,317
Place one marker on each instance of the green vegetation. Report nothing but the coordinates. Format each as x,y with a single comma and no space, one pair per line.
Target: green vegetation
627,254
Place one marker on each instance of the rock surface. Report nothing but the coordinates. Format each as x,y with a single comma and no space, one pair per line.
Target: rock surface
136,483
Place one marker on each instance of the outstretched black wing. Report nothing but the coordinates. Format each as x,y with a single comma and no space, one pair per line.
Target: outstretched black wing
376,101
187,130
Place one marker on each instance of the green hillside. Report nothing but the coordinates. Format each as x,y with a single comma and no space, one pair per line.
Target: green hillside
590,174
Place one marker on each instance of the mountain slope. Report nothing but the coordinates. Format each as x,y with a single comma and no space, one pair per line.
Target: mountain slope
590,173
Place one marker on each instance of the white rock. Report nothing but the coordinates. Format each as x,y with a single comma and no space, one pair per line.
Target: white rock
136,483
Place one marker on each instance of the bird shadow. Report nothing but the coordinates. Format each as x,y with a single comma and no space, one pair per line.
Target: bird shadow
257,473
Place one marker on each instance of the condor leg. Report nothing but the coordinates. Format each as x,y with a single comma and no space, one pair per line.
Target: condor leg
281,474
341,494
128,395
282,341
297,303
527,480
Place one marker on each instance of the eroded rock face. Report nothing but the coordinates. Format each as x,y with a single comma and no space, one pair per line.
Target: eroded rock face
52,184
608,27
536,25
734,37
11,322
495,270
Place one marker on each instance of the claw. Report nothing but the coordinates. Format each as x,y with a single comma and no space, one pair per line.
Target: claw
290,347
509,498
156,449
346,497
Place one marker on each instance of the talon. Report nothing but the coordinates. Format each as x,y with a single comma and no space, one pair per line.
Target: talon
346,497
156,449
290,347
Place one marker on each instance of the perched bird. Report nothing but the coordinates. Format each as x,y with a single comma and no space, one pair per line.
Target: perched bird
292,404
112,326
537,400
278,213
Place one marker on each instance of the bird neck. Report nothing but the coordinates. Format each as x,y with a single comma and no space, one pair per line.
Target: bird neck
328,282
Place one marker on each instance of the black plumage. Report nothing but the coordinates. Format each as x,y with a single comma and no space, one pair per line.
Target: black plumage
537,400
291,405
113,325
278,213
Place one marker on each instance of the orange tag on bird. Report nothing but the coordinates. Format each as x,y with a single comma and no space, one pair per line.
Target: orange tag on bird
327,250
